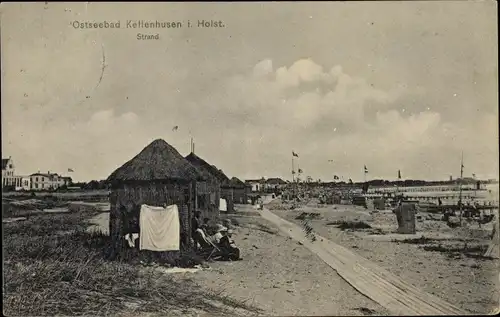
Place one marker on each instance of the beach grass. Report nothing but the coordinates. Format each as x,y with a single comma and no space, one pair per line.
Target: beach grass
53,266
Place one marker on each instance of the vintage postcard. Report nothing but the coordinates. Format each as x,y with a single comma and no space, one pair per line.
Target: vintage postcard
250,159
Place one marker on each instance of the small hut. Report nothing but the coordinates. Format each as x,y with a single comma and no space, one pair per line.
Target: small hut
236,191
208,193
158,175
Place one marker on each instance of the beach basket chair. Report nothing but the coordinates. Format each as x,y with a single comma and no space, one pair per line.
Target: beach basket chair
207,248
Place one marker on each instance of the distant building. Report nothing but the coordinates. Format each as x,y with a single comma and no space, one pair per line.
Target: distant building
266,185
48,181
25,183
9,177
257,185
275,184
67,181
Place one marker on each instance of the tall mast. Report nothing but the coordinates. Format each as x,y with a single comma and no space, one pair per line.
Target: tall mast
293,179
460,184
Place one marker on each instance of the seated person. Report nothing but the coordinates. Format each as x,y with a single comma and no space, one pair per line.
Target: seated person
201,239
227,223
206,227
228,247
229,235
218,234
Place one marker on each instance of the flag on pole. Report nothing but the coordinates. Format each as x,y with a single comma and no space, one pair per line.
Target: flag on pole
175,128
300,171
366,170
70,170
295,154
399,174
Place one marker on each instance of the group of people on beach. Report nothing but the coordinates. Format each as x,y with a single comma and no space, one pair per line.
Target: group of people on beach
218,236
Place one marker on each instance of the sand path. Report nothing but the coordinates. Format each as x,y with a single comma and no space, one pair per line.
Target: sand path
390,291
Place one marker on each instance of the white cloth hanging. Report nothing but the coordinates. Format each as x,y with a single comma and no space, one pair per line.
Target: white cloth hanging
160,228
222,205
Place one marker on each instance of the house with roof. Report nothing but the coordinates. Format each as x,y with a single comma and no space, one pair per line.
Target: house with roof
256,185
48,181
9,177
275,184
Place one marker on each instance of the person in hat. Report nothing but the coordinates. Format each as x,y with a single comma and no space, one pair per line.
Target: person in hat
228,247
219,229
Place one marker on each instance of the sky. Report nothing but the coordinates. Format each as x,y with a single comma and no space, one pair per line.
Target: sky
391,85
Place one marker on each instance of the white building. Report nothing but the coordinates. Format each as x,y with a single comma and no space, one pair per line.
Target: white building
48,181
257,184
9,177
25,183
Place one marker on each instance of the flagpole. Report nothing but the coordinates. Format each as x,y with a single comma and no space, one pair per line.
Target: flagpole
192,141
293,178
460,184
397,185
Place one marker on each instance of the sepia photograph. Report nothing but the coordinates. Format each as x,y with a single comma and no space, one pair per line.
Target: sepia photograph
250,158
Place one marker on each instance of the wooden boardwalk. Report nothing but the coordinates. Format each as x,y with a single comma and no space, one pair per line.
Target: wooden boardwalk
399,297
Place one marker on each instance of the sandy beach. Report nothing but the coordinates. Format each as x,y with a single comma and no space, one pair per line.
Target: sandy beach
462,278
276,275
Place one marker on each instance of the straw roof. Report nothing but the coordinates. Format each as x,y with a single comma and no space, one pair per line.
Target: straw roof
205,167
157,161
236,183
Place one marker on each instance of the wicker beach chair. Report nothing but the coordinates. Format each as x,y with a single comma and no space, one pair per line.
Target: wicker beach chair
207,248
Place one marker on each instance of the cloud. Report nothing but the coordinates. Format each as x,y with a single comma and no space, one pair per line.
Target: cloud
328,114
263,68
304,70
92,147
248,124
298,96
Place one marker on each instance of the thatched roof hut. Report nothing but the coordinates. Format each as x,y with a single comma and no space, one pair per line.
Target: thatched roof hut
205,166
208,192
157,161
236,191
156,176
235,182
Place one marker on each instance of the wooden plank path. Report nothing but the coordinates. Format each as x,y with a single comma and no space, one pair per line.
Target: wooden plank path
399,297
